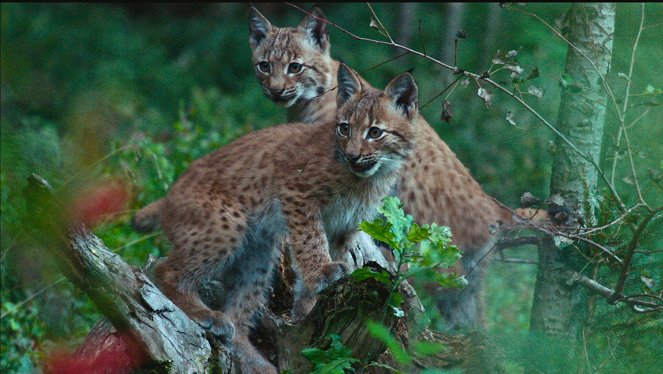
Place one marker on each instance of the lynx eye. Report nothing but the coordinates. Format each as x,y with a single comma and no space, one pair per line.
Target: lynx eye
343,129
294,68
263,67
374,133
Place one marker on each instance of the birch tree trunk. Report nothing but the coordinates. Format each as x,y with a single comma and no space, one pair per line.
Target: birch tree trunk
557,309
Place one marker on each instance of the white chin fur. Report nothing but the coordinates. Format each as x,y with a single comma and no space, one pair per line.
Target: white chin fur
291,102
367,173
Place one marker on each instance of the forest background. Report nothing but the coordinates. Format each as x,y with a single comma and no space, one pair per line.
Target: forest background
126,96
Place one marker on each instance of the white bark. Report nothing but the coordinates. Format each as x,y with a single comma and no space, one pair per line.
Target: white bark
582,111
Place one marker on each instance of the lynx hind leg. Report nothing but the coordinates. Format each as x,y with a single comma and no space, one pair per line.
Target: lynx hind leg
179,278
462,309
249,360
205,243
251,275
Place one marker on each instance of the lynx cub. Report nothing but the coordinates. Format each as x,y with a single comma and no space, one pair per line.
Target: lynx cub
314,183
295,69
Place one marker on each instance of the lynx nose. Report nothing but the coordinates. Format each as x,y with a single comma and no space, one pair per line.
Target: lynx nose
352,158
276,91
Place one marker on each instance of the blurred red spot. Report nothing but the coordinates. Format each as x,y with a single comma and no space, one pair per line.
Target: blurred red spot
97,203
112,355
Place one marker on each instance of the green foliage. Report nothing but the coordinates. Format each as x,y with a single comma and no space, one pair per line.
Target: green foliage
424,249
22,331
383,334
335,360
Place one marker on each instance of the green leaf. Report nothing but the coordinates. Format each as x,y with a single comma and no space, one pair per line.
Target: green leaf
382,333
417,234
314,355
380,230
533,74
364,273
396,299
423,348
450,280
335,360
393,211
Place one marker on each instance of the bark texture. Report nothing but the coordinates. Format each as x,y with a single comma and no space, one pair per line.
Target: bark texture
557,307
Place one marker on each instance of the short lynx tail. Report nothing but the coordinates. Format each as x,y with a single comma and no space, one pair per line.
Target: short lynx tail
148,219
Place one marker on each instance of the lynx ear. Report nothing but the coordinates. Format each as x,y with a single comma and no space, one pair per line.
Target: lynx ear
404,94
259,27
316,29
348,84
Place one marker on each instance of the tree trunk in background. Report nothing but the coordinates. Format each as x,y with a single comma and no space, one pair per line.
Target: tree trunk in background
557,309
488,44
453,20
406,24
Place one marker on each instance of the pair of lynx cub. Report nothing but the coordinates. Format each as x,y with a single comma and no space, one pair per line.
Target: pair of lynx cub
312,182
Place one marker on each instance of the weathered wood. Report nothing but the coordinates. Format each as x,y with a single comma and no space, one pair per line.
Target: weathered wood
148,327
145,319
145,330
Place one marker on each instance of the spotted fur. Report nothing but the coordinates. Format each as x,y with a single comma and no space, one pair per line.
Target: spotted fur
312,183
434,187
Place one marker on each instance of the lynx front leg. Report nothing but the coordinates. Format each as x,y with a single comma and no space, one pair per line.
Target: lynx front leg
312,262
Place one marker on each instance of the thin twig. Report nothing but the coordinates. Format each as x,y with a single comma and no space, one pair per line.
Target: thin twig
20,304
654,25
518,261
442,92
96,163
9,247
635,121
380,22
630,249
626,96
589,230
421,39
129,244
516,242
384,62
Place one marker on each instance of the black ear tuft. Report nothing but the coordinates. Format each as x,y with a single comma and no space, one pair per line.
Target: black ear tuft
404,94
259,27
316,28
348,85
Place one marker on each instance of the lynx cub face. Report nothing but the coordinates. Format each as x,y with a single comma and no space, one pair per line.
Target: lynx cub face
292,64
374,131
312,183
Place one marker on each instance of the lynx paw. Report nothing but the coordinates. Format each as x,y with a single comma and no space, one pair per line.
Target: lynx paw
328,275
307,296
217,323
302,306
